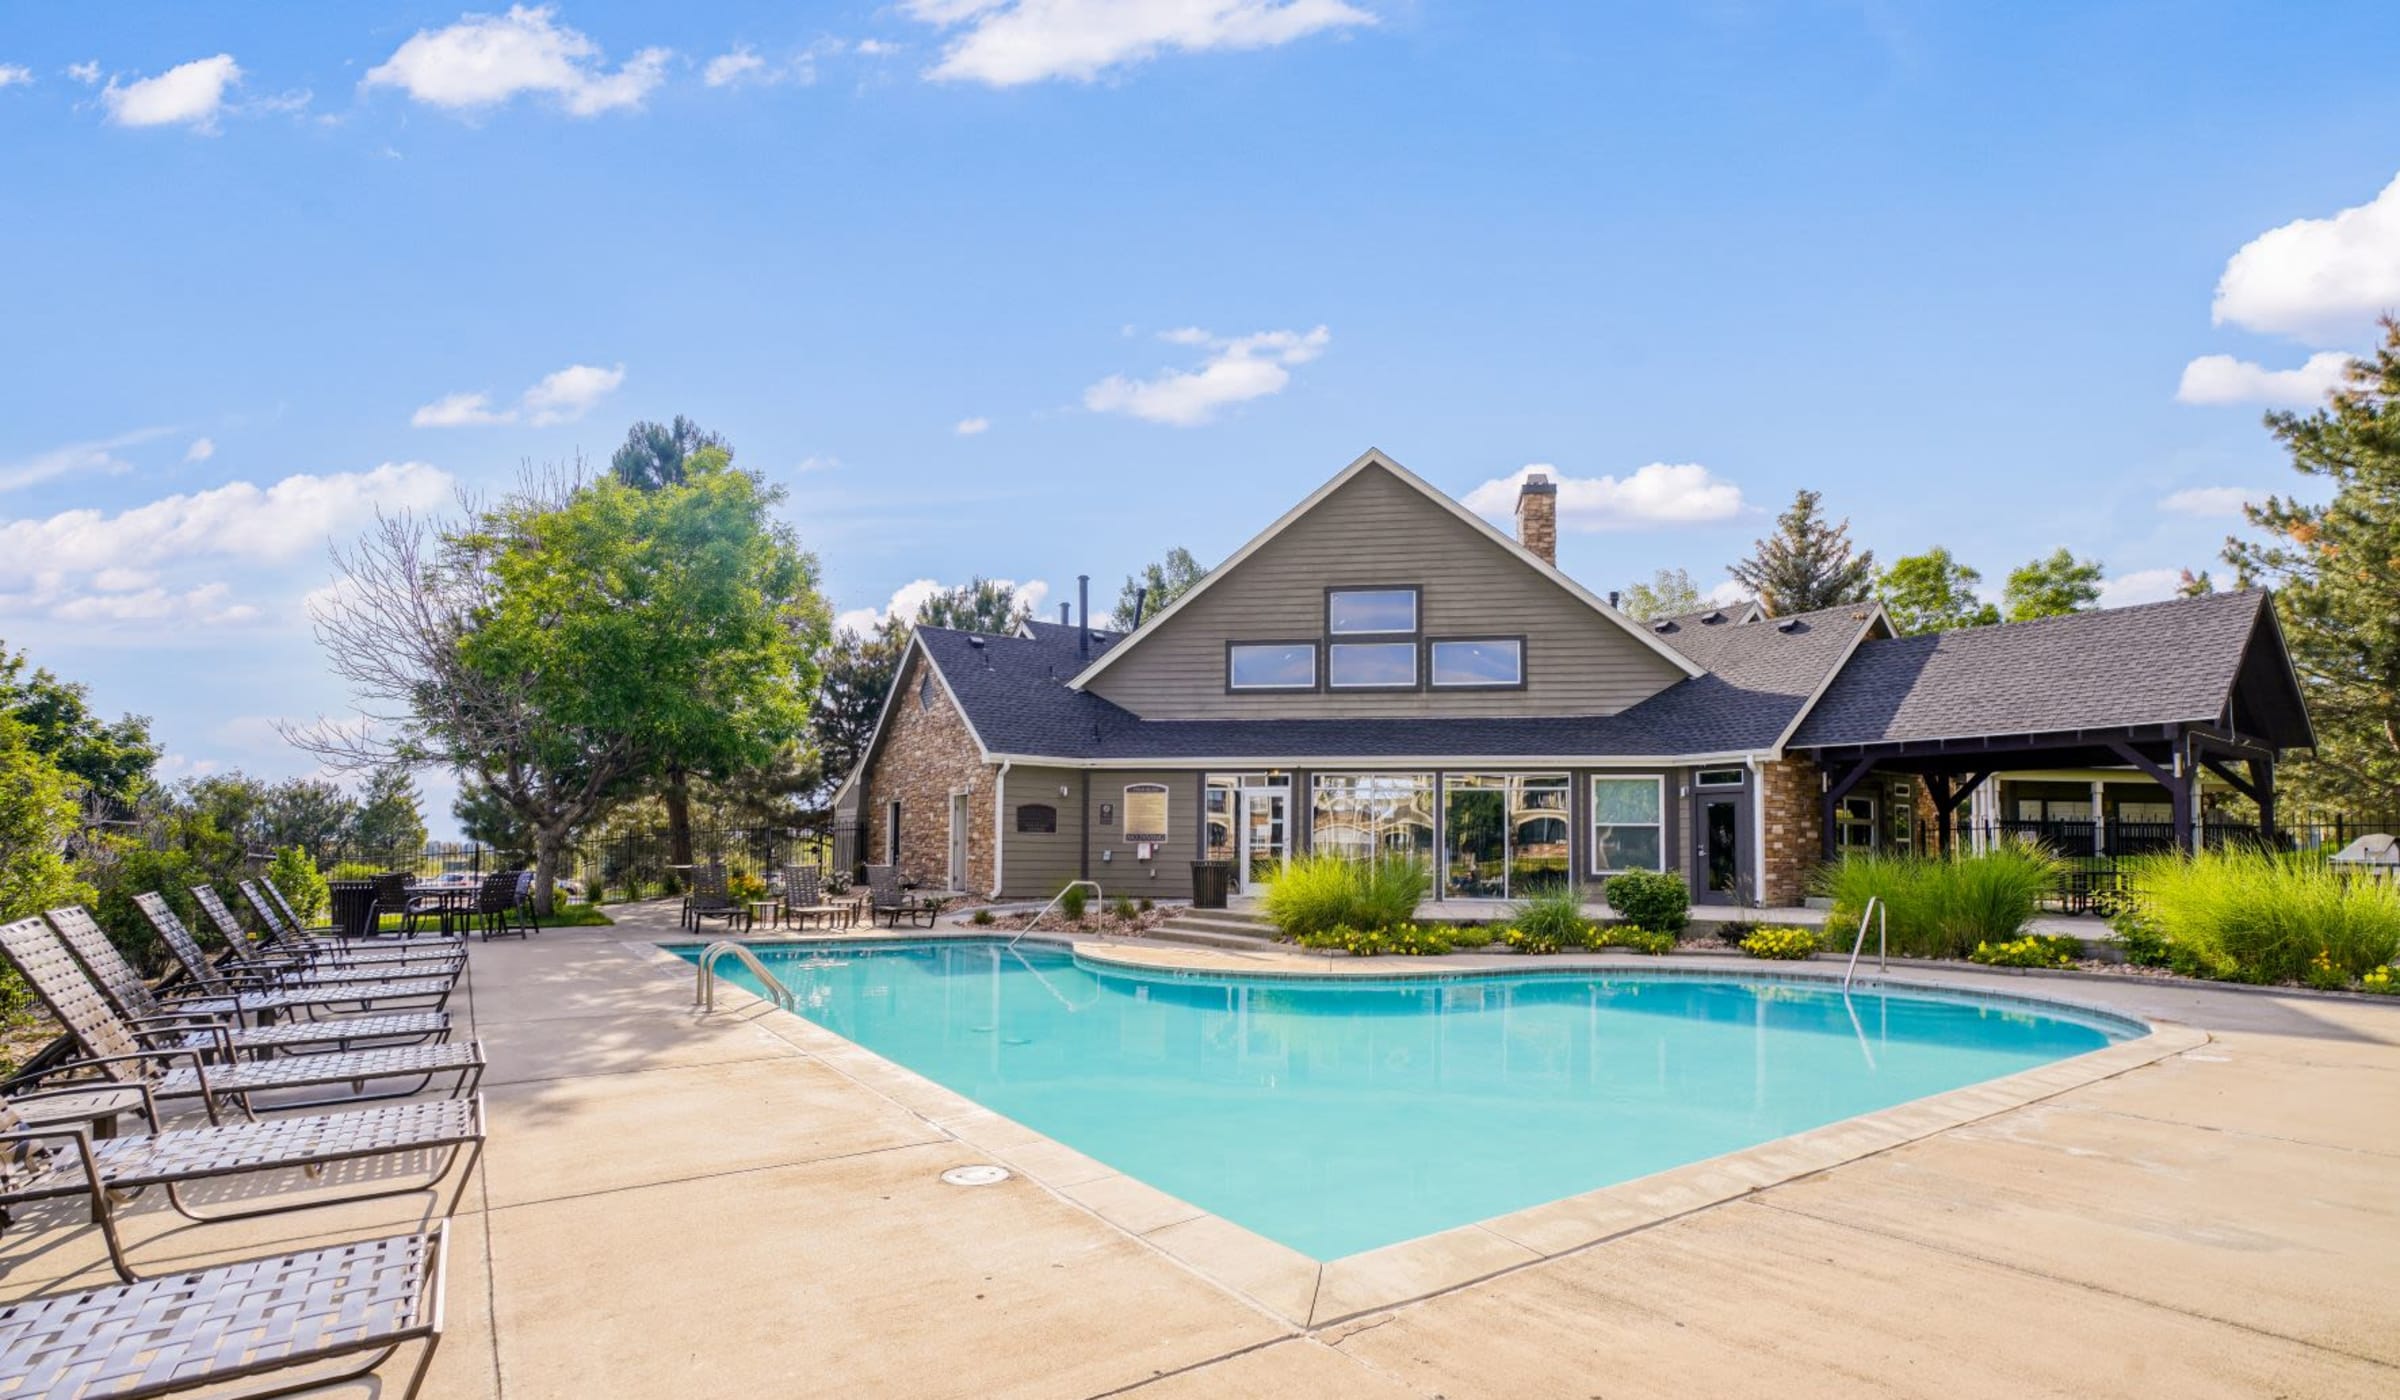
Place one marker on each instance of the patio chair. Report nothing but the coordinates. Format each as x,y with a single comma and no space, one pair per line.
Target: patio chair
114,1050
885,898
804,896
41,1161
259,1320
711,898
224,1004
284,934
308,967
497,910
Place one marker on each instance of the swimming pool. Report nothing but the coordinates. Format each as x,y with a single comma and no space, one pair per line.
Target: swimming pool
1335,1116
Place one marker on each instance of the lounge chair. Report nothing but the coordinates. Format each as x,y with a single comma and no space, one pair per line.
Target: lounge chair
885,898
48,1160
710,898
804,898
113,1049
258,1320
284,935
223,1003
314,962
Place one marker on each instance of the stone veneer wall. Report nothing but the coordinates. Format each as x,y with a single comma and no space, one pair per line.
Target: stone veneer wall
928,754
1795,841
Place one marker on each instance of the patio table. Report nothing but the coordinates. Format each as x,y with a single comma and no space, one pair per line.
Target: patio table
449,901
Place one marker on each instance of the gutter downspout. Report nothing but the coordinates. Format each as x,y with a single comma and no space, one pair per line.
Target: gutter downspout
1758,818
999,807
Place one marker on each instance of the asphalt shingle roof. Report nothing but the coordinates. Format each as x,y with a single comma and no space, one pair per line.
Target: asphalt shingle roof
2157,663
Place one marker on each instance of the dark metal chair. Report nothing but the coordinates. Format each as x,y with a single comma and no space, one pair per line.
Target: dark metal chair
886,899
712,899
497,909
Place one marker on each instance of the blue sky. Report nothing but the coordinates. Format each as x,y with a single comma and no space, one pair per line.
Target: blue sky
1030,288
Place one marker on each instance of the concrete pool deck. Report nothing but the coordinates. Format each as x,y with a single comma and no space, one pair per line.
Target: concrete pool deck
677,1204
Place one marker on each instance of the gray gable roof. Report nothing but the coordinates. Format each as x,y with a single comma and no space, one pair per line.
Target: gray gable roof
2158,663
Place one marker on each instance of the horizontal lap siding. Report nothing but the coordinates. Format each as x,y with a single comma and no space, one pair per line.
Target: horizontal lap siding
1169,875
1377,529
1034,865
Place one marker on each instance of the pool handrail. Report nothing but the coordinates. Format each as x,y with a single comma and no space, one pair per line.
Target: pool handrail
1092,885
706,993
1877,911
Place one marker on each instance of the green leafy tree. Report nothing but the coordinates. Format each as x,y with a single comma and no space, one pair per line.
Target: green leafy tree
1148,593
1807,563
2051,586
655,455
38,818
485,818
313,814
230,803
1669,593
294,872
978,605
388,819
1932,592
855,677
2335,568
111,759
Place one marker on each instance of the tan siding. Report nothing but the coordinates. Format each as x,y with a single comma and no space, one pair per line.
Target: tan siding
1169,876
1377,529
1034,865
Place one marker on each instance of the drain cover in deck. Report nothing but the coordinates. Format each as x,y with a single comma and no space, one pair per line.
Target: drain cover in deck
975,1176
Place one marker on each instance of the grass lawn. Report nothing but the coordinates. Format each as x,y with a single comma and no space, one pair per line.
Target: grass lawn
564,916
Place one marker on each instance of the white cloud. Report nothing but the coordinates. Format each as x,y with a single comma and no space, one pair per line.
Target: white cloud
87,72
484,60
12,74
1237,369
1008,42
2215,379
122,580
969,427
875,48
2209,501
2320,281
209,605
97,458
560,397
910,596
189,94
2140,586
1658,494
239,520
201,450
816,464
1726,594
741,65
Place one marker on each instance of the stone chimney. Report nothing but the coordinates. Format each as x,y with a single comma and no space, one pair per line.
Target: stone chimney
1537,517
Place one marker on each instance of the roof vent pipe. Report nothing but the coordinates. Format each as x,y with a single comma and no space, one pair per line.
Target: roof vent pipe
1065,617
1140,602
1083,614
1612,598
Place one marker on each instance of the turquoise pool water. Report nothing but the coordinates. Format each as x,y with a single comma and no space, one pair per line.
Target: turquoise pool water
1338,1117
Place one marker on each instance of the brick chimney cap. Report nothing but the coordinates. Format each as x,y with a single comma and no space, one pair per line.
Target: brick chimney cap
1538,484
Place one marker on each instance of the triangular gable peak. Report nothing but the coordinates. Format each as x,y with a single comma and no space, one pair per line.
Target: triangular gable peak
1376,525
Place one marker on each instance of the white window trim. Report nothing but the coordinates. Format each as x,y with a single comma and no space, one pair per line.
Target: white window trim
1365,640
1592,825
1433,677
1416,611
1232,683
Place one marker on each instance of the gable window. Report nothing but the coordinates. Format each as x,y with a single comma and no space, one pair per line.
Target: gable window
925,693
1037,817
1371,665
1369,611
1497,662
1146,812
1271,666
1627,824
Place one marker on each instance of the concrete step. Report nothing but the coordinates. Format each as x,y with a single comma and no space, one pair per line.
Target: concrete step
1212,921
1176,932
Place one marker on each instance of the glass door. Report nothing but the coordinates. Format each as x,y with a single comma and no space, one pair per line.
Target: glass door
1721,850
1262,832
1475,837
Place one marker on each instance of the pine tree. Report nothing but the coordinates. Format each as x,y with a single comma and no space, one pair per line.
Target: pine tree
1806,564
2336,571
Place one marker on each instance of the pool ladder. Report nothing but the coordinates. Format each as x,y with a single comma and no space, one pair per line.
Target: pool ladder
1092,885
706,993
1879,914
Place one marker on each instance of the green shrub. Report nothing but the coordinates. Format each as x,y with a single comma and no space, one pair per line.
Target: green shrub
1524,940
2142,945
1637,940
1941,907
342,870
1405,940
1557,916
294,872
1071,900
2380,981
1782,944
1122,907
981,918
2033,950
1652,899
1322,891
1148,904
2257,916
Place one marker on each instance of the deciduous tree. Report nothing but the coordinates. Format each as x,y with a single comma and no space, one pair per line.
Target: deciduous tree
1669,593
109,759
1932,592
978,605
1148,593
2054,585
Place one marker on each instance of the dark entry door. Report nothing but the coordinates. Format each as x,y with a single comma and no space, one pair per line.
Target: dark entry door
1720,851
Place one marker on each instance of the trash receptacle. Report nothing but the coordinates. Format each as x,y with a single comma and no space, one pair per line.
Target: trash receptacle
353,907
1212,881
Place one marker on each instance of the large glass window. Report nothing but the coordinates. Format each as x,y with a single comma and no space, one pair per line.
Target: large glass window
1504,835
1371,665
1271,666
1627,824
1373,816
1354,610
1495,661
1537,833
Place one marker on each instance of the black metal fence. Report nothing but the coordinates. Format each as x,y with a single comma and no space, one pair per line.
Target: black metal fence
613,868
2096,858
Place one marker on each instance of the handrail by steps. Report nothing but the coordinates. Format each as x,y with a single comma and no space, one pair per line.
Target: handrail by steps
706,993
1092,885
1877,911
